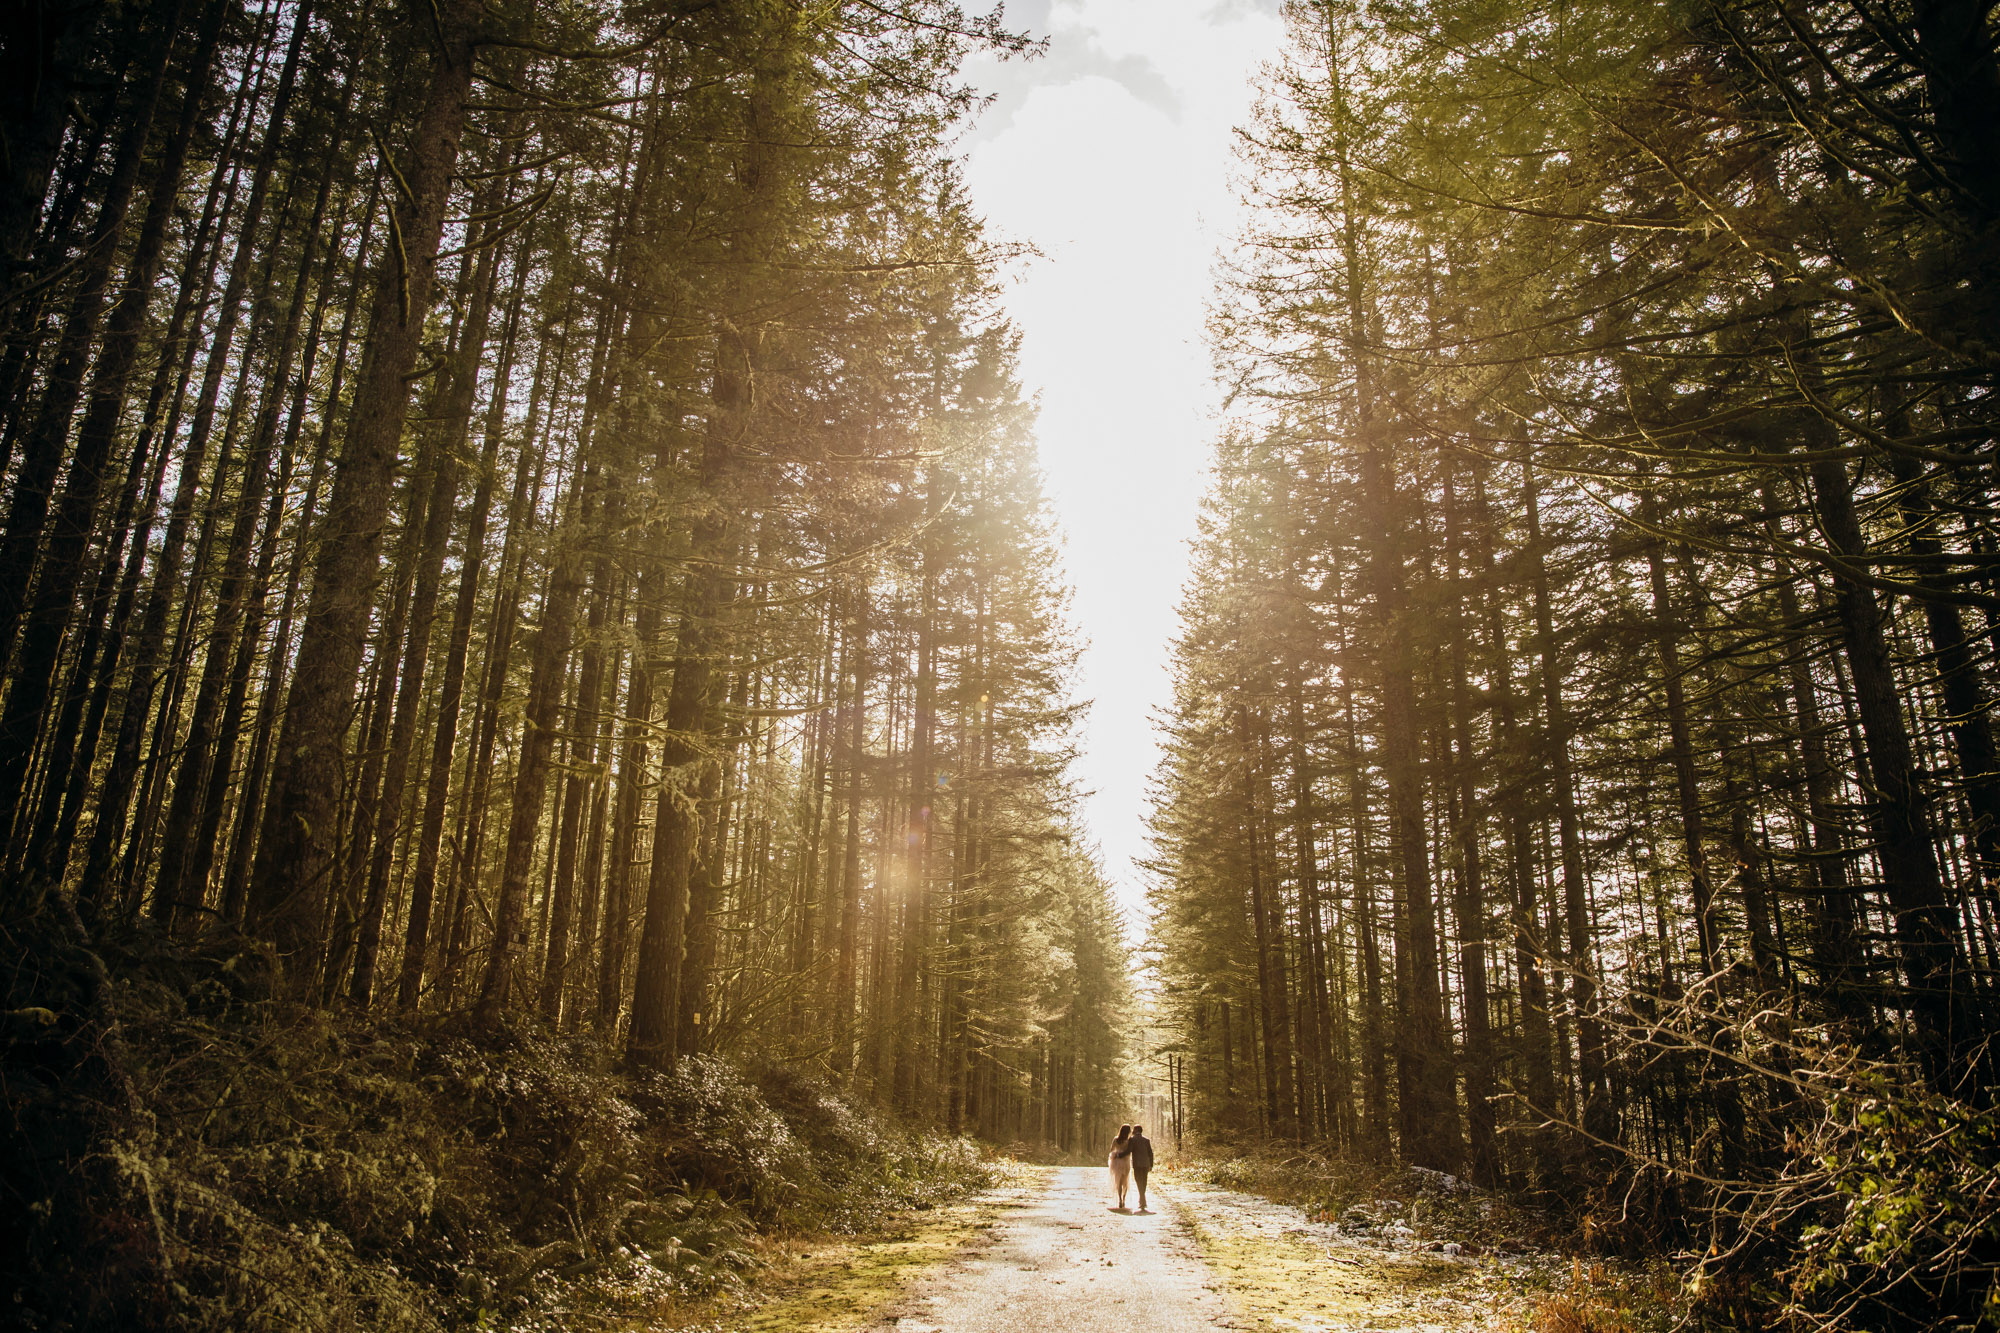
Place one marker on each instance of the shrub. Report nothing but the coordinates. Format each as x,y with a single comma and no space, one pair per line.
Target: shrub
1900,1191
194,1153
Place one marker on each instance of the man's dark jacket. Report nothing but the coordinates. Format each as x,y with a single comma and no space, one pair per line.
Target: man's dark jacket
1141,1149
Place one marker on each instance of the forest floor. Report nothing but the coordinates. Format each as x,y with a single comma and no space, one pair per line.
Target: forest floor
1047,1251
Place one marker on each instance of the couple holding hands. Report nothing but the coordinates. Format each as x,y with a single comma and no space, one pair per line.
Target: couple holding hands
1131,1160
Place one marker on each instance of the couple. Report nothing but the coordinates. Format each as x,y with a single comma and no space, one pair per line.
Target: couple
1131,1157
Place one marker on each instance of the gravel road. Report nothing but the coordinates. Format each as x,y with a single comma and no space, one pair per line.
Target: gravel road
1067,1263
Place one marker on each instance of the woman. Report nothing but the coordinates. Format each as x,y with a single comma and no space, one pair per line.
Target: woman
1120,1163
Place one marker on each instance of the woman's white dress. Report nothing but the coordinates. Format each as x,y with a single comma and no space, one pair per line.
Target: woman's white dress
1121,1170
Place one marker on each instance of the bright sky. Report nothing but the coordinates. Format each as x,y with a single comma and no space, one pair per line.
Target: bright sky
1111,154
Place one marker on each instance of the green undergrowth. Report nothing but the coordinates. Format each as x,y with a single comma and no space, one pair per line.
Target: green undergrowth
187,1152
838,1284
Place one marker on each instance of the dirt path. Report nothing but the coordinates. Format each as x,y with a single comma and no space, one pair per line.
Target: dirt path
1045,1253
1060,1260
1066,1263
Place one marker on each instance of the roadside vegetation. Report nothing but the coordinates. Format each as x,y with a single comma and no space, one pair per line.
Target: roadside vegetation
1379,1240
534,662
207,1155
1581,777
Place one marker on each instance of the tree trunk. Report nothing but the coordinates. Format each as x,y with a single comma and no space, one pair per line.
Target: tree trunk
631,802
207,755
124,769
440,508
582,749
1315,1019
1600,1114
916,929
1940,985
41,458
854,717
1471,897
1666,631
41,63
451,688
76,513
297,855
243,843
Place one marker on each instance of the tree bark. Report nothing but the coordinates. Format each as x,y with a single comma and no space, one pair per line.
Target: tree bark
440,508
296,858
169,387
1600,1114
854,718
451,687
41,457
76,511
1940,984
1471,897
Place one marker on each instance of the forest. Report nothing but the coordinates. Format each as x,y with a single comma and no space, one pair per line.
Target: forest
1581,774
537,711
525,594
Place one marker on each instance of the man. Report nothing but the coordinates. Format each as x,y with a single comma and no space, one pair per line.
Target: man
1141,1149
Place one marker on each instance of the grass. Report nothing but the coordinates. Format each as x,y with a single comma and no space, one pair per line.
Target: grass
1510,1275
1288,1283
197,1153
831,1283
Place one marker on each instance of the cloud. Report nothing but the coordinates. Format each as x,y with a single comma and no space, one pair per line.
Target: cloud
1223,11
1075,52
